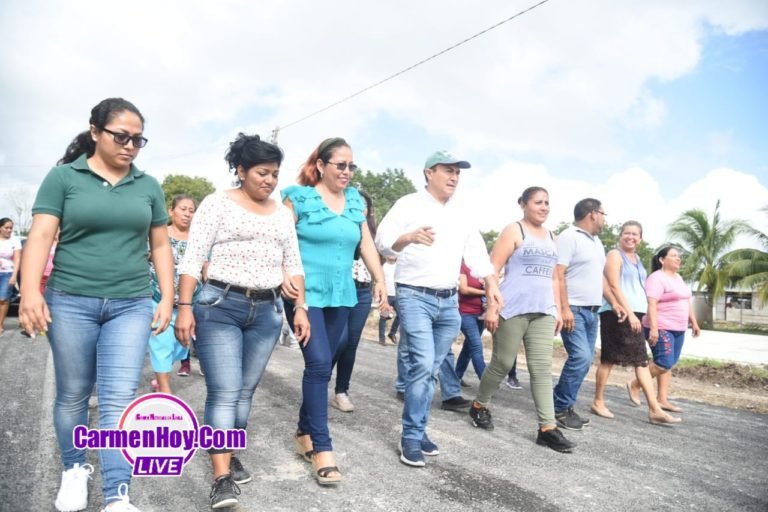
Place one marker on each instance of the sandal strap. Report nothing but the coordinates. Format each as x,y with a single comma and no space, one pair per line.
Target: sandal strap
323,472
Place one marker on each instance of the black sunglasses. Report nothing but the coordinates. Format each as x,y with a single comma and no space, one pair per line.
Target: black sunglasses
343,165
123,138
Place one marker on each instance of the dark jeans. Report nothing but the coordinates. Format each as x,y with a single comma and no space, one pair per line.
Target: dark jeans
347,351
472,329
327,329
395,323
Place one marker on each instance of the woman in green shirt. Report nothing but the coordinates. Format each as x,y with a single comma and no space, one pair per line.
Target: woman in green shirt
99,292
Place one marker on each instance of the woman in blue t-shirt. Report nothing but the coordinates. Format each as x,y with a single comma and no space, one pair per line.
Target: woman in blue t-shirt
330,224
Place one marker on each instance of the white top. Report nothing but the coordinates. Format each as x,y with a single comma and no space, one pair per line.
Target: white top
584,255
389,277
7,248
456,237
244,248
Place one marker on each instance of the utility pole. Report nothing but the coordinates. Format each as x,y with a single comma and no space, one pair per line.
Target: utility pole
273,137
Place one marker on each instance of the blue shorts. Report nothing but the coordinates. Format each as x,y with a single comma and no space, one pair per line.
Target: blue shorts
5,290
666,352
165,348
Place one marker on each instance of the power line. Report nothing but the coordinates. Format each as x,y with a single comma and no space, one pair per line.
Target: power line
361,91
413,66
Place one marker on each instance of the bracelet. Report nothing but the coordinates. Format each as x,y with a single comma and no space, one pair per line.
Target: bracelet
184,304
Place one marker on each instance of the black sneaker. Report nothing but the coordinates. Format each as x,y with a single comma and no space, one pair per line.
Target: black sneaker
584,420
568,419
240,475
555,440
481,416
224,492
456,403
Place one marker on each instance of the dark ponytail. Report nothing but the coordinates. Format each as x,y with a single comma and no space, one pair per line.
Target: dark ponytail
101,115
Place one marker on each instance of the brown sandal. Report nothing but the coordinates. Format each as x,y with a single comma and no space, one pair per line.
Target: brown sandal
322,475
300,448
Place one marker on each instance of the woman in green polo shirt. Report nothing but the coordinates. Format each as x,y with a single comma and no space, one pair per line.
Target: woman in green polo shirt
99,292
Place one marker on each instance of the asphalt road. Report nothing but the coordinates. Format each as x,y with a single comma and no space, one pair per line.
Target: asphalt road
715,460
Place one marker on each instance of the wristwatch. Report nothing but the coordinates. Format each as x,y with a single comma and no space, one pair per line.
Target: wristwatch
304,306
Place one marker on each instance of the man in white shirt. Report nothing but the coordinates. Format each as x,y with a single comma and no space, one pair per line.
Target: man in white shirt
430,234
580,262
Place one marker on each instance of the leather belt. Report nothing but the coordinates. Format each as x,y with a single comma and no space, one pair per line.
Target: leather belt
441,294
593,309
251,293
362,284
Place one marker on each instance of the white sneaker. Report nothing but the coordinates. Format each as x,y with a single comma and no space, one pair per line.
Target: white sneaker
123,504
342,403
73,493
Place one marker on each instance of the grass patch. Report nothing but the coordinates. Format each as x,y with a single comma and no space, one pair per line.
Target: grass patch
693,362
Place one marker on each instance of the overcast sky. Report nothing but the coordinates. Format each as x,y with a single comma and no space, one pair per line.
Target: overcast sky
652,106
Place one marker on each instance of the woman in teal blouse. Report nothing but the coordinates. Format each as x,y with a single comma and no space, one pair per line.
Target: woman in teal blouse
330,225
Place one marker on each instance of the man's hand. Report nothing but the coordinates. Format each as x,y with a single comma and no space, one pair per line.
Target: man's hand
425,235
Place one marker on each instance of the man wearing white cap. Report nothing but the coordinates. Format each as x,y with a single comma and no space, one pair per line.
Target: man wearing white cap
430,233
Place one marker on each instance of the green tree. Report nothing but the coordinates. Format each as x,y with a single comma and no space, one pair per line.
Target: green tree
196,187
706,241
384,188
489,237
748,268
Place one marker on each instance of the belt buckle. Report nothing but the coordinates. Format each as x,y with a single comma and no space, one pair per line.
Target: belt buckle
249,292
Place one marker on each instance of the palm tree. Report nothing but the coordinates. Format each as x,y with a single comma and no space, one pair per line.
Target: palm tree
748,268
705,241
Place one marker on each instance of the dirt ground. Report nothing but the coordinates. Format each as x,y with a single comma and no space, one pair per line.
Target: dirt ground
731,385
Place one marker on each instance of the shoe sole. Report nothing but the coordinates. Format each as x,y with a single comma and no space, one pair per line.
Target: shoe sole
455,407
231,502
413,464
433,453
245,481
70,508
559,450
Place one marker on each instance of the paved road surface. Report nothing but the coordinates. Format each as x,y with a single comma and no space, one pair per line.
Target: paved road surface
716,460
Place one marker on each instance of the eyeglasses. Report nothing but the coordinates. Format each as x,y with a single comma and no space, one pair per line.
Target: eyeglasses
601,212
343,165
123,138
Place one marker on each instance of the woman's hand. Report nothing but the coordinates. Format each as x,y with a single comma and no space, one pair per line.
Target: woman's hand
620,312
380,294
653,336
185,325
696,330
163,315
634,323
301,327
12,280
288,289
491,320
34,316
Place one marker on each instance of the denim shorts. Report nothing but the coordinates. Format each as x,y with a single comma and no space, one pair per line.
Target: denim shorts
5,290
667,350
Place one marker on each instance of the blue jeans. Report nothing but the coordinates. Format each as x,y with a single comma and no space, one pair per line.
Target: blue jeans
395,323
430,325
96,341
450,385
235,339
580,345
350,339
472,328
327,328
